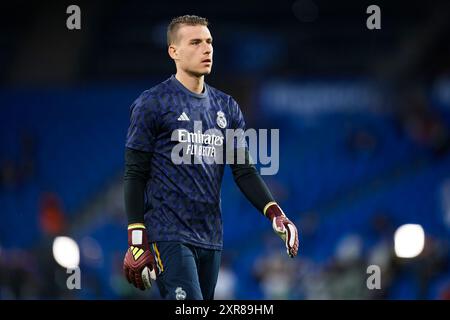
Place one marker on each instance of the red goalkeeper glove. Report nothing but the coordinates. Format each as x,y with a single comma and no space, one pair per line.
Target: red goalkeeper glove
283,227
139,265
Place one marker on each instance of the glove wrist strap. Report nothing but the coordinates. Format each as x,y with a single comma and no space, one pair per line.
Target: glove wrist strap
272,210
137,235
136,225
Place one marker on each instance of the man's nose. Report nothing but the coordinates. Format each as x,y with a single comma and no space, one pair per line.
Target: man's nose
208,48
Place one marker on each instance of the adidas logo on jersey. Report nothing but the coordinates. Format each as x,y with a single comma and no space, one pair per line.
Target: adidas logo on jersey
183,117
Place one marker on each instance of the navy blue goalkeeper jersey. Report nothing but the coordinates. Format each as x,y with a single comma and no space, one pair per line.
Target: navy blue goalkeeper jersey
182,199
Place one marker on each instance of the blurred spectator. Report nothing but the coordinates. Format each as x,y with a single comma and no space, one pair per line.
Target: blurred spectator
445,202
226,281
309,281
51,216
8,174
381,253
16,172
422,124
430,264
274,272
18,279
346,273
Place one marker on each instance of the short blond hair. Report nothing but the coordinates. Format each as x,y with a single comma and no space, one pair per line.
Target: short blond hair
177,22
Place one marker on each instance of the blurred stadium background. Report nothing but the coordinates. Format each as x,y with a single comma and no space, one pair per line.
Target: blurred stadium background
364,119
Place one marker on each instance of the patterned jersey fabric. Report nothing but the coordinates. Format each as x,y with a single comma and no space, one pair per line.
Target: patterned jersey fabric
183,198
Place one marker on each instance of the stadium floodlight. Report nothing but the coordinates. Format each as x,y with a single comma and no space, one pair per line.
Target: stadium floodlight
409,240
66,252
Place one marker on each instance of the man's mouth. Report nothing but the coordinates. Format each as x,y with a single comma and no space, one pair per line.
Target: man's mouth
206,61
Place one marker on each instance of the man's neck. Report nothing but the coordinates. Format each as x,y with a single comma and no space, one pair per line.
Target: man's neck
193,83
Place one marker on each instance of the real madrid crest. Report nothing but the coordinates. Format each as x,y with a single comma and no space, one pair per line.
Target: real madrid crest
221,120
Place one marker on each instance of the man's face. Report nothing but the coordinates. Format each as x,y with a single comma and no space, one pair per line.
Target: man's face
194,51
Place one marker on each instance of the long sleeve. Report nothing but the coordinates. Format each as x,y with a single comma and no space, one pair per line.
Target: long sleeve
251,184
137,171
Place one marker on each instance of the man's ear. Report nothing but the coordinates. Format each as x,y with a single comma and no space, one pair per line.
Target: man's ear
173,53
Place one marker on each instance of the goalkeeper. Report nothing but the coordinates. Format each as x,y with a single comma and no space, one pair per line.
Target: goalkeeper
173,210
